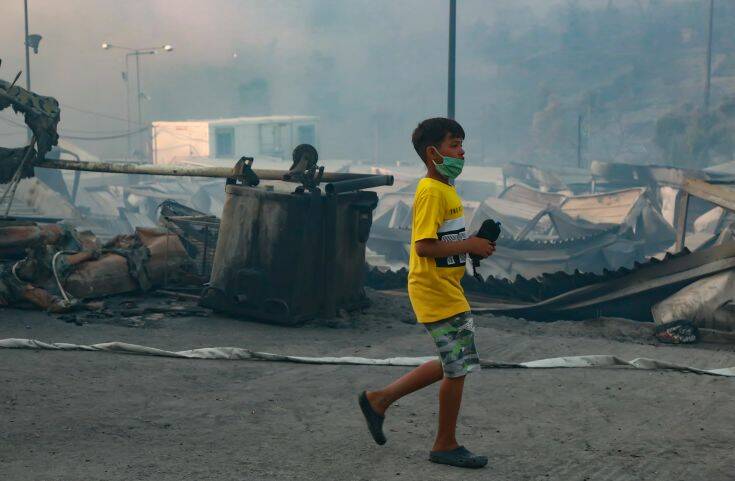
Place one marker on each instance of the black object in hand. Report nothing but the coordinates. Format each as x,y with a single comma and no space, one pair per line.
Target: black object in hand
489,230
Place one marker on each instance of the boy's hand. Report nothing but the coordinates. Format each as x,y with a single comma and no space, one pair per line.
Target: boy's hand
480,247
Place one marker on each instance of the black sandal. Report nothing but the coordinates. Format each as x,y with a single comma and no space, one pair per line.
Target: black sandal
373,419
460,457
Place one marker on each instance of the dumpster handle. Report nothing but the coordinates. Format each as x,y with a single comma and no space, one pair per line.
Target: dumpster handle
365,182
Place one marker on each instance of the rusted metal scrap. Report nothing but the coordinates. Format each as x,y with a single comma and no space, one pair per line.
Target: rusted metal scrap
142,261
628,294
53,267
28,261
198,233
41,115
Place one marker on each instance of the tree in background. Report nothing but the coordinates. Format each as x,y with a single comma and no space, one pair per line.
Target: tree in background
691,138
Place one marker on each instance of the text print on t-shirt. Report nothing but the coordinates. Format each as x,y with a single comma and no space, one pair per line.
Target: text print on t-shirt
452,230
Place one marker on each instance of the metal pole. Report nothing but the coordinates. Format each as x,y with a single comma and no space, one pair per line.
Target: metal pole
709,56
137,75
127,102
192,171
28,59
452,53
579,141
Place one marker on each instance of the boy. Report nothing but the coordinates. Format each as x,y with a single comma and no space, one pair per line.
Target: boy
439,246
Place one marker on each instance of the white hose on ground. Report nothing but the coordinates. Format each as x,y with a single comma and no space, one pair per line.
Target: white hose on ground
66,297
237,353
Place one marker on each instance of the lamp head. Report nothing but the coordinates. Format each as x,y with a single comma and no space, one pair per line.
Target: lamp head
33,40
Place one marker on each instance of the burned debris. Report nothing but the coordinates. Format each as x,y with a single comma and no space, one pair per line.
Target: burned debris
55,267
163,233
643,242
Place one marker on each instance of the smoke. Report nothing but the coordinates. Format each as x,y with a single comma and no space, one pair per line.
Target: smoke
370,69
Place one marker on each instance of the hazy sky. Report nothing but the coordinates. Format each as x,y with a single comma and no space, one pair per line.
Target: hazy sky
355,63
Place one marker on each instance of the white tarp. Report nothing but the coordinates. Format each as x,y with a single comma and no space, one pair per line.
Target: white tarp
708,303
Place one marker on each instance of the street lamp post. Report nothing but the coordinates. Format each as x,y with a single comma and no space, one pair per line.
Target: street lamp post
708,72
452,57
135,52
28,56
126,76
31,41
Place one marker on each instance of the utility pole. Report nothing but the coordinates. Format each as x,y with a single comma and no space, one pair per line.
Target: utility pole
28,59
137,52
140,115
452,54
709,56
579,141
28,54
126,77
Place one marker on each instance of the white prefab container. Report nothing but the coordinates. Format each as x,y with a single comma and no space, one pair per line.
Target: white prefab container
172,140
271,136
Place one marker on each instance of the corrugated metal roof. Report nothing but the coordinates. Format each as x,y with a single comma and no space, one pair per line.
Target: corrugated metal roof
526,195
514,208
609,207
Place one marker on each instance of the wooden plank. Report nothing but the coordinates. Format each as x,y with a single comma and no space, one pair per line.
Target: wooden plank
680,219
717,194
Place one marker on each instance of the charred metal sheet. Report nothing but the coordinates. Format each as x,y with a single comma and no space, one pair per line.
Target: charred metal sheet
627,294
197,231
41,115
10,159
552,284
648,175
522,289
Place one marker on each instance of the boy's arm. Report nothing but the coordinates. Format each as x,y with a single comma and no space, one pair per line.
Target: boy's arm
472,245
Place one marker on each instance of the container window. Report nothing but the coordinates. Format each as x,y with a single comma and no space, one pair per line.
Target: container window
224,142
272,139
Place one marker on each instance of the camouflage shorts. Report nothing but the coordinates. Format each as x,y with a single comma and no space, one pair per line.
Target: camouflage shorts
455,339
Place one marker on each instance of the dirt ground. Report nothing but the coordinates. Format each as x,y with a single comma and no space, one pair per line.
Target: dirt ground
103,416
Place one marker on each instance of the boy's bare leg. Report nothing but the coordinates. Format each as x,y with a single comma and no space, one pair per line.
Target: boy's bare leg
450,400
420,377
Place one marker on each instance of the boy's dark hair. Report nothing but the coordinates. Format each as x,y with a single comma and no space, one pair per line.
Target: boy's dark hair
432,131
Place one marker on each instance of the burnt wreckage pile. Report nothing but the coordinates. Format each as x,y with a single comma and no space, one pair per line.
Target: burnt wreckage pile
614,223
256,270
618,251
646,243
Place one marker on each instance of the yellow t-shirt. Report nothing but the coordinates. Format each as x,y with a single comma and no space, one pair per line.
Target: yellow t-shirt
434,283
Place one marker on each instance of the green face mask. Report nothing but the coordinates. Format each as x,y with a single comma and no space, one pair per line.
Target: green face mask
450,167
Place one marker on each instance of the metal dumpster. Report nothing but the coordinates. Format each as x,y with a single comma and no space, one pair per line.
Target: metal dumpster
289,257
